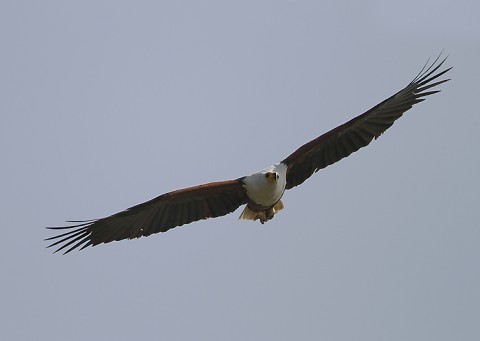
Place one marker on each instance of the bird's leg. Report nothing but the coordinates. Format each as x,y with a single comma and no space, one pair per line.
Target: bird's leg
261,215
266,215
270,213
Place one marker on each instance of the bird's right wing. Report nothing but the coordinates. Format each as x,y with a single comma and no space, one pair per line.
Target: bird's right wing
157,215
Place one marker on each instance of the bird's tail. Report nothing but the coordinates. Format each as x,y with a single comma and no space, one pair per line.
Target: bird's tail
249,214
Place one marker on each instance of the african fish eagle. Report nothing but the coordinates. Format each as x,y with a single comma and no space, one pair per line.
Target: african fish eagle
260,192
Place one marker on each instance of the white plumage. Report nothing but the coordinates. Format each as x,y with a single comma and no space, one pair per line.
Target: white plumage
264,192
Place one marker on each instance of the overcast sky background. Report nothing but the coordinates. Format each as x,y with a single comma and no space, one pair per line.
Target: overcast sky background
108,104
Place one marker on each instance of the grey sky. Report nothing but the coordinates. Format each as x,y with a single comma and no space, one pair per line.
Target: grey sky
107,104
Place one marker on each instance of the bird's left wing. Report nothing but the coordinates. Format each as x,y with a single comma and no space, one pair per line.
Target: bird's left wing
157,215
360,131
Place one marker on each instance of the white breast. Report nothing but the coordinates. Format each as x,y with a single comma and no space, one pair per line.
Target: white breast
263,192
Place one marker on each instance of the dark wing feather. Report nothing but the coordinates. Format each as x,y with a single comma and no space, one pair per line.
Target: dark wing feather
157,215
360,131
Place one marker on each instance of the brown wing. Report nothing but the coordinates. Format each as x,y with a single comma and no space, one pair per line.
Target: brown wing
360,131
157,215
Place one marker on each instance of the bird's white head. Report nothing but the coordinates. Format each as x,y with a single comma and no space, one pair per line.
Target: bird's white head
272,177
266,187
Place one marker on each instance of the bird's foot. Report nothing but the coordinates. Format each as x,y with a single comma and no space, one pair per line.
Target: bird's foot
266,215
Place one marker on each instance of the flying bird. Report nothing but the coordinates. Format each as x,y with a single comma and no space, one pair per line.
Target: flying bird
260,192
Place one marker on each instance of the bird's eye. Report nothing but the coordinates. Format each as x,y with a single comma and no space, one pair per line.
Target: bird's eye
267,175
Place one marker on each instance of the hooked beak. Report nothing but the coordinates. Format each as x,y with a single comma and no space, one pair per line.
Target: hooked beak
272,177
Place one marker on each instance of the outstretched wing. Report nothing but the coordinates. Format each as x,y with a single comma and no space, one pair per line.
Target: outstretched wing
360,131
157,215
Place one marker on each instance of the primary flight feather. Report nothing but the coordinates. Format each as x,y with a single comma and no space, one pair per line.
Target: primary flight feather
261,192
